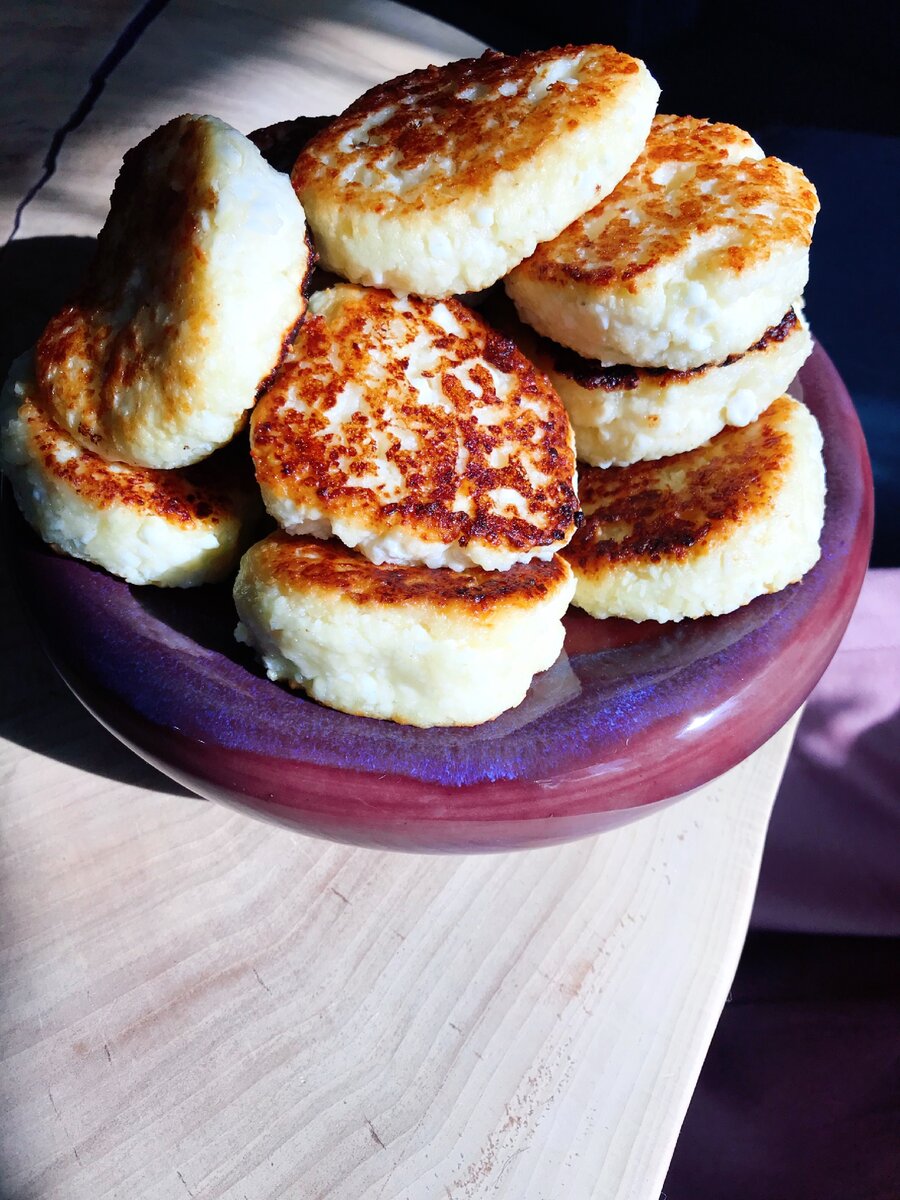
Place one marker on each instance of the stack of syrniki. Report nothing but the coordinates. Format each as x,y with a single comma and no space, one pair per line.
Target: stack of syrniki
196,284
444,464
421,468
671,314
404,427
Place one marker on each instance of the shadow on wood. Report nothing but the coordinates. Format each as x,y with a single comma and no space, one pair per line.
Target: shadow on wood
37,711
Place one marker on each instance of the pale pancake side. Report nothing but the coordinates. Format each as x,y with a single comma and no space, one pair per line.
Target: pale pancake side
409,644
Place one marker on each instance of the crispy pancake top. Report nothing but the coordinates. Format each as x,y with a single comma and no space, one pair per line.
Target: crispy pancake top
594,376
417,141
676,509
182,498
279,144
414,415
694,178
305,563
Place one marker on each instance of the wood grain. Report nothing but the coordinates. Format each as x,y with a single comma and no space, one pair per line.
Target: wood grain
250,64
48,52
196,1004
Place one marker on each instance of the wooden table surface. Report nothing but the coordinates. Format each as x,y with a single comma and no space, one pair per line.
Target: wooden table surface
197,1004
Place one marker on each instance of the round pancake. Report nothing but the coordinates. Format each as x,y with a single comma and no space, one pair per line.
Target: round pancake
171,528
196,284
440,181
414,433
409,644
623,415
702,246
703,532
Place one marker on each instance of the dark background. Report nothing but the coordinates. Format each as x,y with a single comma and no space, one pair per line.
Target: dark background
799,1098
815,84
828,65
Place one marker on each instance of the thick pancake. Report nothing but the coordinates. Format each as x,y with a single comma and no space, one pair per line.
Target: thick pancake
410,644
440,181
196,284
704,532
413,432
623,415
172,528
702,246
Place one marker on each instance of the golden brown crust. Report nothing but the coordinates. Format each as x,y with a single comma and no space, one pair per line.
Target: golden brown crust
456,114
594,376
441,452
115,352
759,201
305,563
159,355
183,497
678,508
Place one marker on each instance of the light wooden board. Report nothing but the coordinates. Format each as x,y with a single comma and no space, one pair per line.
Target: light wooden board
48,52
248,63
197,1004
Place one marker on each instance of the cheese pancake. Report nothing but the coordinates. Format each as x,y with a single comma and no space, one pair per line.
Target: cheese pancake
440,181
704,532
623,415
196,284
414,433
171,528
701,248
410,644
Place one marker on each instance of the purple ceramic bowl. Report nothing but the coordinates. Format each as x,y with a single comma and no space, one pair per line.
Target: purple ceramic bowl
632,717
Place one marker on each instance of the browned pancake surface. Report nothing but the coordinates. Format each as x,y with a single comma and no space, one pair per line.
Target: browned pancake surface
721,182
475,115
594,376
115,351
182,497
302,563
679,507
489,457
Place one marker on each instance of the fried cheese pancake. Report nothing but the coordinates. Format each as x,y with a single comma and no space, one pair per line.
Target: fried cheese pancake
701,248
408,644
147,526
623,415
704,532
196,284
440,181
413,432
